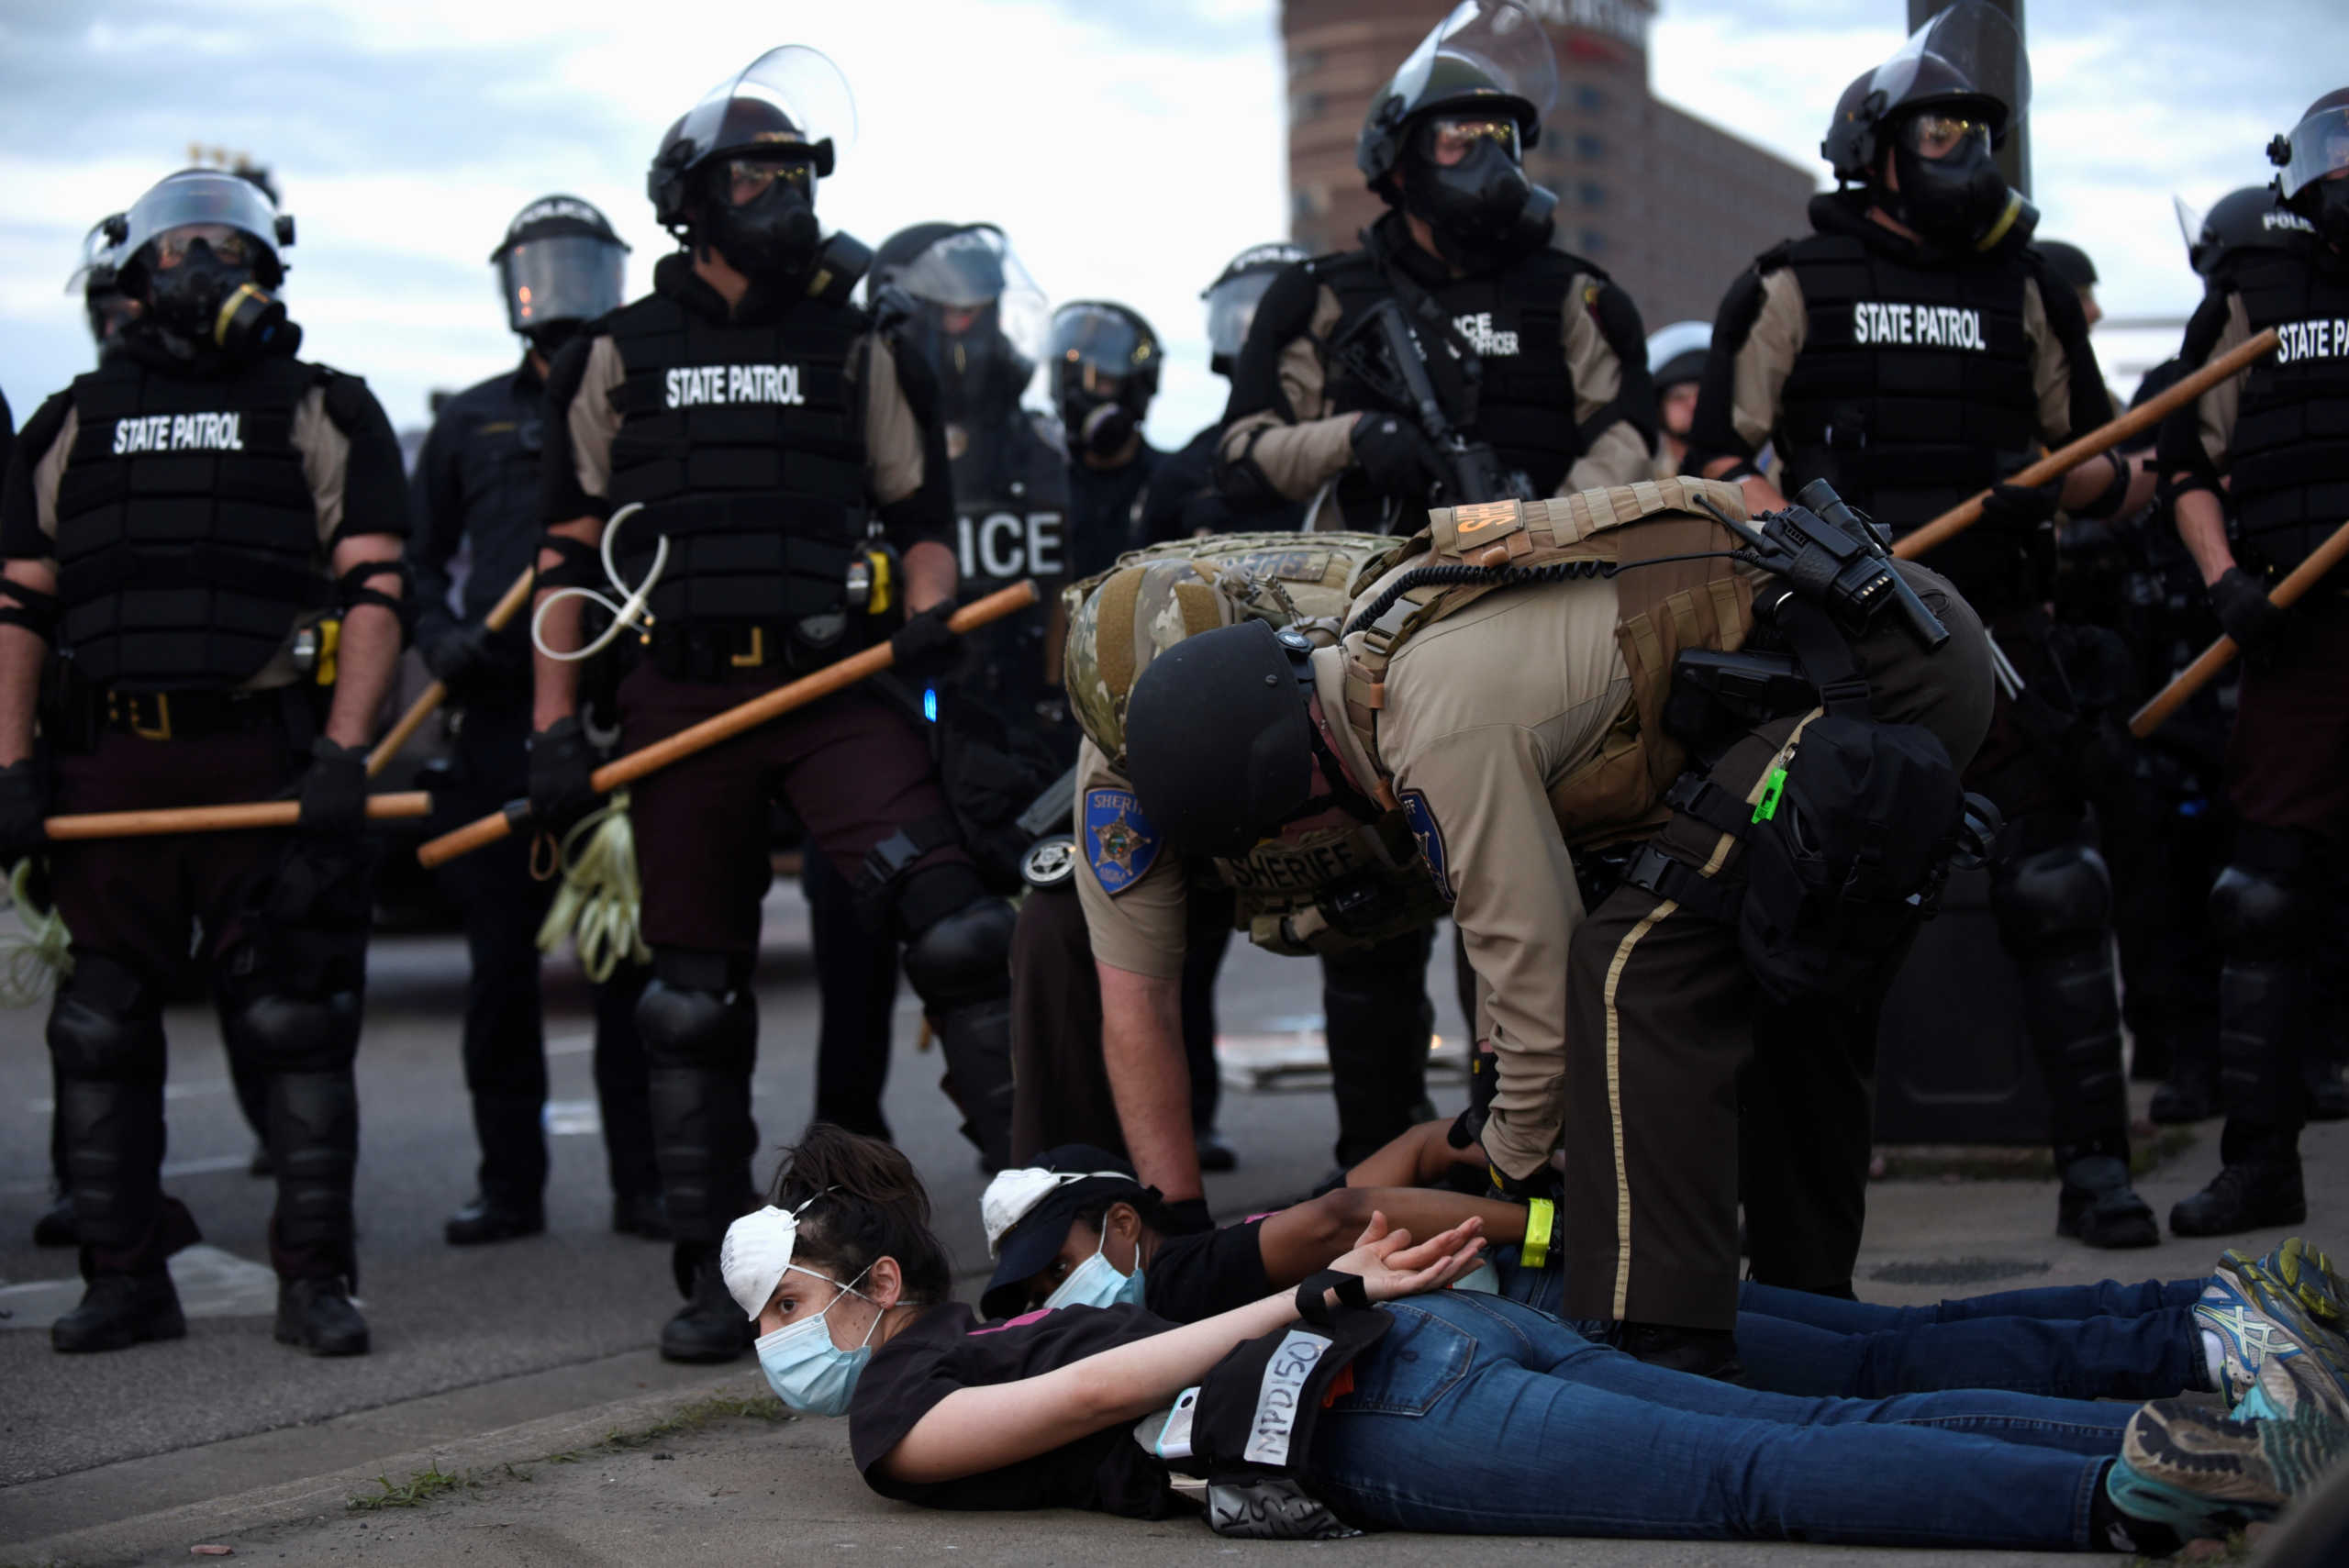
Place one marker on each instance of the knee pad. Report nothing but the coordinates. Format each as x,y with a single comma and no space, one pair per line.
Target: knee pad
2052,897
106,1023
695,1013
964,957
2262,905
295,1034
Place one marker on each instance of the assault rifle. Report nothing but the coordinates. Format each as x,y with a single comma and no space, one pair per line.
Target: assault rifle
1473,471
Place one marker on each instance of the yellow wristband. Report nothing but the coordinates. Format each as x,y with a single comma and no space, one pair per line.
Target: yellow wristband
1540,1215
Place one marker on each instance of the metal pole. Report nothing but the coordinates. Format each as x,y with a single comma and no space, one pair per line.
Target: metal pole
2014,157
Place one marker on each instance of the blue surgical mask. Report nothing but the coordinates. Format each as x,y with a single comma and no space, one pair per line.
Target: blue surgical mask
809,1374
1096,1283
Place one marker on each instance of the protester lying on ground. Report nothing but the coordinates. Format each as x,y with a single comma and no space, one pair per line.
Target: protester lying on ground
1078,1230
1440,1409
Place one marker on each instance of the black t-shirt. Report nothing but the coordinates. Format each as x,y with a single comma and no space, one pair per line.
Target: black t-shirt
1195,1277
946,1349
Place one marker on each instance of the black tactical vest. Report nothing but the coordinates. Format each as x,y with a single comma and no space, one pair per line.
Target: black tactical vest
1913,389
743,442
2288,473
1011,506
1515,323
187,535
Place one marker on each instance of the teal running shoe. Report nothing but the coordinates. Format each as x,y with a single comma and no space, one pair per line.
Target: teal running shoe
2257,1321
2201,1474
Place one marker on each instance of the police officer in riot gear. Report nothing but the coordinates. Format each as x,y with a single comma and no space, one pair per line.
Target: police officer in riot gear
1531,352
1102,361
2275,438
178,524
2240,222
1675,366
746,412
1912,351
99,281
1183,500
2070,265
477,487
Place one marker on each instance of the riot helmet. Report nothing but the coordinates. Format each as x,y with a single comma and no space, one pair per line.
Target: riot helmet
1219,739
199,254
738,171
1446,138
2312,167
2069,265
558,267
2247,220
1677,357
1104,361
1939,107
1233,296
98,280
977,317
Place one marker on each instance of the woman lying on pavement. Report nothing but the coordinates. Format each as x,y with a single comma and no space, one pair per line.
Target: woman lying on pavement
1078,1230
1401,1405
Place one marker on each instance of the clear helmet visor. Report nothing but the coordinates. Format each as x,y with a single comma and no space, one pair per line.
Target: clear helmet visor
1971,47
563,277
1231,309
1484,46
790,93
2318,147
1103,345
100,259
2190,222
964,273
202,202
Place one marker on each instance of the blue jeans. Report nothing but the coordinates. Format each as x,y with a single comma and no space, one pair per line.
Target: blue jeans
1475,1415
2102,1341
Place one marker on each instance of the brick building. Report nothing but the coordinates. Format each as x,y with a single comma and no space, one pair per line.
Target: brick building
1670,207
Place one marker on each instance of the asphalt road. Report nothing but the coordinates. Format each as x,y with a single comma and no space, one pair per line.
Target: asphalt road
448,1318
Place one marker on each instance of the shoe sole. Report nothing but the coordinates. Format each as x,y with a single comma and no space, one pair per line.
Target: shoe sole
2296,1215
358,1347
151,1334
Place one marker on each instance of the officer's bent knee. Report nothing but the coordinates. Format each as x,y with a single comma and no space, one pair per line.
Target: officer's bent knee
2053,895
965,957
106,1023
297,1034
2256,911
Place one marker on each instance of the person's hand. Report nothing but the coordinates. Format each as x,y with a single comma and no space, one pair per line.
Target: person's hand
24,802
1391,1265
458,657
2012,508
2249,616
562,767
925,649
334,791
1395,457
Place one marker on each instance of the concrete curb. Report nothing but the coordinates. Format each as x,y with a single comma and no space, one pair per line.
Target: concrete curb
316,1497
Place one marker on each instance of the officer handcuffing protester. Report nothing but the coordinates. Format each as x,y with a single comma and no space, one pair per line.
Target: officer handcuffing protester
736,432
477,488
191,527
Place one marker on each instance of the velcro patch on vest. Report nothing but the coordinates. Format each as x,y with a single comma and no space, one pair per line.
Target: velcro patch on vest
1273,867
2324,338
1879,323
1491,342
1119,839
222,432
692,387
1420,818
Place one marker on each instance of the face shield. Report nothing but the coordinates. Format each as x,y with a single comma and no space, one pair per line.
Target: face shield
2312,166
1104,367
981,320
1971,47
200,252
1233,297
562,278
791,96
204,201
1483,49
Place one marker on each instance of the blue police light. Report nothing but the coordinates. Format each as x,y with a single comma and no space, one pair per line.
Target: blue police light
929,703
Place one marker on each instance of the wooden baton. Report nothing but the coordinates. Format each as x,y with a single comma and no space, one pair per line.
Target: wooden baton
221,818
651,759
2064,459
2216,656
509,605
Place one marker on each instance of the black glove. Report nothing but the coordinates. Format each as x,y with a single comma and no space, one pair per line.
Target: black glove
334,791
924,649
2243,608
1395,457
24,801
561,765
458,658
2012,508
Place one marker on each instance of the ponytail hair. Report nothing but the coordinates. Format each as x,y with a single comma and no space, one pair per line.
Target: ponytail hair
864,1202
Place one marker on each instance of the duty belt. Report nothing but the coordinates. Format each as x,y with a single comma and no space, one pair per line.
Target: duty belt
185,716
723,652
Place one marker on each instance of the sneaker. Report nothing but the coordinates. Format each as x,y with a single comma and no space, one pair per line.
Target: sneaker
2201,1474
2259,1323
2307,1273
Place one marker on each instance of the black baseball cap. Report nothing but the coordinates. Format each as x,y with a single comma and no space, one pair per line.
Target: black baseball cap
1027,1211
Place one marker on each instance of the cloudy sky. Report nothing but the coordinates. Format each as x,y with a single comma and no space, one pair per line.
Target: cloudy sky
1128,149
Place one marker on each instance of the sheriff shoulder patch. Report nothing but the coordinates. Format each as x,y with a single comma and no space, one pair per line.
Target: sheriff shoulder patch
1422,823
1119,839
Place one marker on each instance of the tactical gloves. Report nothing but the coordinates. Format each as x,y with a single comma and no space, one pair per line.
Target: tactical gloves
2241,603
1395,457
563,767
925,649
459,657
2012,508
334,791
24,801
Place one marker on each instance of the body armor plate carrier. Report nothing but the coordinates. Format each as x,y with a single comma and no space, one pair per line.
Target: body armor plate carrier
2290,457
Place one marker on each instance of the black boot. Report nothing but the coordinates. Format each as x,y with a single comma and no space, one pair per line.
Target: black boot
317,1315
55,1228
710,1326
2249,1196
2098,1206
1707,1352
2191,1094
2328,1095
485,1218
119,1311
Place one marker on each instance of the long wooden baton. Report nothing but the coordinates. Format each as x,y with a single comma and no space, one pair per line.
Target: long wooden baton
221,818
726,726
2064,459
2216,656
509,605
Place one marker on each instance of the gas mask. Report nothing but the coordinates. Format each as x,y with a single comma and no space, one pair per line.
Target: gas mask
2325,204
1482,208
1951,190
772,235
980,373
549,339
1099,425
211,300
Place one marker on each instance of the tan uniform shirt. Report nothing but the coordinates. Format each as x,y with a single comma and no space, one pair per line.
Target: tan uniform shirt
2215,409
